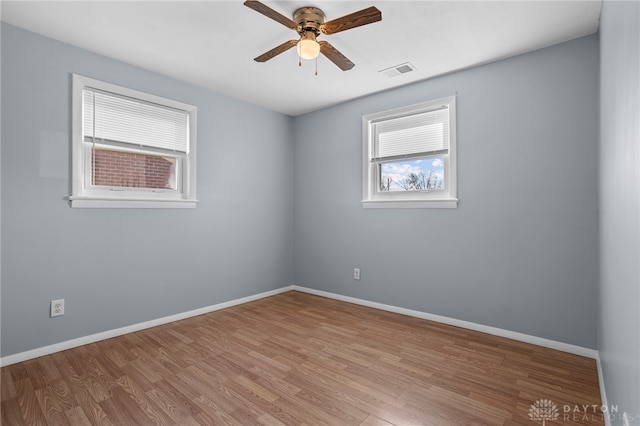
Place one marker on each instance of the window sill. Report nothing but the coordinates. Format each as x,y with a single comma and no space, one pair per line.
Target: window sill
124,203
443,203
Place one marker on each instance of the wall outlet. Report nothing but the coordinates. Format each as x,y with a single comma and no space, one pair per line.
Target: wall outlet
57,308
356,274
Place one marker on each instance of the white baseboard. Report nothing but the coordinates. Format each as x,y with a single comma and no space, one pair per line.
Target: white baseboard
46,350
73,343
547,343
603,392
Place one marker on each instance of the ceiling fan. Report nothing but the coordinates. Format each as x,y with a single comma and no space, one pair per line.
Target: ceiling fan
309,23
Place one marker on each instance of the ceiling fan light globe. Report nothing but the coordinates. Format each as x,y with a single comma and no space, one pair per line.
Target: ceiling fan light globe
308,49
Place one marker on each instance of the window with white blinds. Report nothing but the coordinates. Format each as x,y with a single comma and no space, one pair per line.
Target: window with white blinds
415,135
114,118
409,157
130,148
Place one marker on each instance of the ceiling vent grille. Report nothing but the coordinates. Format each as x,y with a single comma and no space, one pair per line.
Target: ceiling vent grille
398,70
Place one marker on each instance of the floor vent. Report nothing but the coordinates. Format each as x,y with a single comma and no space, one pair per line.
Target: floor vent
398,70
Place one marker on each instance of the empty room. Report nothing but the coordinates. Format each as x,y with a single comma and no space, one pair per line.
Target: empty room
320,213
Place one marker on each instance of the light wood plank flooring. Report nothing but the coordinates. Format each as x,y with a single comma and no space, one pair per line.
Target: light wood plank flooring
298,359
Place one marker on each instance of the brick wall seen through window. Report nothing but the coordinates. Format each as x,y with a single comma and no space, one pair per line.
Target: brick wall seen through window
132,170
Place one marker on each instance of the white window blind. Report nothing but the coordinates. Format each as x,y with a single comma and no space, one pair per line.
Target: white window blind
416,135
113,118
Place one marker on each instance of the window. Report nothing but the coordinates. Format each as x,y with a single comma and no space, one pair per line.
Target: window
131,149
409,156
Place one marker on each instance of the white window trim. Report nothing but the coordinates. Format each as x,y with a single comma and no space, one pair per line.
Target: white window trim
371,198
81,197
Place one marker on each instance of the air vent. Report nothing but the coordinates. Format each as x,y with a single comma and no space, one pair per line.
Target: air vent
398,70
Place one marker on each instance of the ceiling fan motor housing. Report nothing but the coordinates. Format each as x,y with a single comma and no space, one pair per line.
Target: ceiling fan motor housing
309,19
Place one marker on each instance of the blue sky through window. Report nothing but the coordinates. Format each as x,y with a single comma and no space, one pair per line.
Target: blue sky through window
413,175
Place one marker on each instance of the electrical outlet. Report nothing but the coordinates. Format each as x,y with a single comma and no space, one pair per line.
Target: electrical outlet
356,274
57,308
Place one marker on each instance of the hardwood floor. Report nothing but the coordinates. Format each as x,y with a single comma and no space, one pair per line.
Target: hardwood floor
299,359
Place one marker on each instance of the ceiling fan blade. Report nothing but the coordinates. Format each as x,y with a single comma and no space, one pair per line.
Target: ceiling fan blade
276,51
356,19
270,13
335,56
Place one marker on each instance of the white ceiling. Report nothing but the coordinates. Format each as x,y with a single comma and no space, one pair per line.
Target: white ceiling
212,43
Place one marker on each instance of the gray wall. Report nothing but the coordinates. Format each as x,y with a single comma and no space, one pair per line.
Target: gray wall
619,325
521,250
120,267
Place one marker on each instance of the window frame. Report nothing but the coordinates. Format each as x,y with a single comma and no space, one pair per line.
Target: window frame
373,197
84,195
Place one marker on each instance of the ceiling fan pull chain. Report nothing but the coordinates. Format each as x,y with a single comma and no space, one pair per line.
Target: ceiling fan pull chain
316,65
